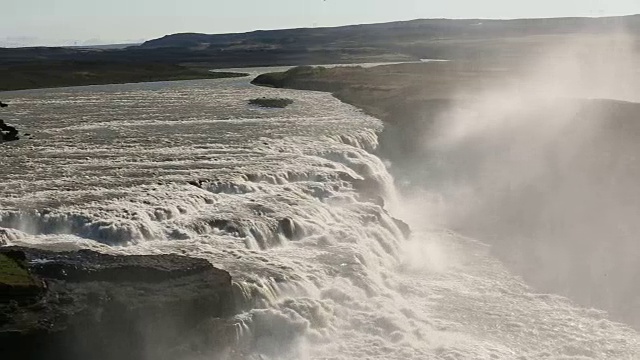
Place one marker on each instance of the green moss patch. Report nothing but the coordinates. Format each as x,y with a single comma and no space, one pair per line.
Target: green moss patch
13,274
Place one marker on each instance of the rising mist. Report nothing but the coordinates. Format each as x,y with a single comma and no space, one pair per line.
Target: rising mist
544,166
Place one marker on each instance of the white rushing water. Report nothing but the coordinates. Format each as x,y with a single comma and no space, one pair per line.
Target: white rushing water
279,198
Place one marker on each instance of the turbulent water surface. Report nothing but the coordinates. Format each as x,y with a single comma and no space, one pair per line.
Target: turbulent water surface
282,199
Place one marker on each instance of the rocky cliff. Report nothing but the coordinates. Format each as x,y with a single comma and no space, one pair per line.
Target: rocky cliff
87,305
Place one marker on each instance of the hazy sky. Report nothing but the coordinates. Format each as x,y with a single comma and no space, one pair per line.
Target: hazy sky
49,22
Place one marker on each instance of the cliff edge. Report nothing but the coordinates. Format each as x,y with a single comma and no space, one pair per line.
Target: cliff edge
87,305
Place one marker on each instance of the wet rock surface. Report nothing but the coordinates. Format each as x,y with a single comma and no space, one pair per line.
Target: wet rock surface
404,227
8,132
87,305
277,103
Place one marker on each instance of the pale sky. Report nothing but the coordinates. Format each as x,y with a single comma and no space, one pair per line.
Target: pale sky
56,22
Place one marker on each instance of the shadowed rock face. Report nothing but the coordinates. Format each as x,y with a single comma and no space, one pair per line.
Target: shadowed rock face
86,305
8,133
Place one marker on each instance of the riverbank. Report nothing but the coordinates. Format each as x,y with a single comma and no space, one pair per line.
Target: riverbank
37,75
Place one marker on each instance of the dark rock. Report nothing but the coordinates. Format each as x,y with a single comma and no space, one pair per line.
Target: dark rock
378,200
4,237
278,103
289,229
196,183
369,190
404,227
227,226
368,187
179,234
8,133
87,305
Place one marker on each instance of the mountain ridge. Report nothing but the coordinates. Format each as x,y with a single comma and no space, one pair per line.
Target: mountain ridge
449,26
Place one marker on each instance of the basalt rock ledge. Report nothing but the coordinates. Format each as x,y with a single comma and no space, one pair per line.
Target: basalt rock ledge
88,305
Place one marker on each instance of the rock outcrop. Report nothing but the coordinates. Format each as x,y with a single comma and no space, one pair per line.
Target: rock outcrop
7,132
277,103
87,305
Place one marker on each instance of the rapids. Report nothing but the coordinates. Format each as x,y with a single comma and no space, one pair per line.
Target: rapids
283,200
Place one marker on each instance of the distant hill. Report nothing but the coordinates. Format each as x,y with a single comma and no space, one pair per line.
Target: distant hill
479,40
103,46
395,41
397,32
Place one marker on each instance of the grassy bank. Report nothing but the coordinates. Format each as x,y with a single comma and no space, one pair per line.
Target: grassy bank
12,274
73,73
391,90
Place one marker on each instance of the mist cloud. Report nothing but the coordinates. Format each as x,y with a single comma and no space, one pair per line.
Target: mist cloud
544,166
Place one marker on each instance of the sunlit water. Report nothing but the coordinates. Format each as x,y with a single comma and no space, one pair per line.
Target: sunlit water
191,168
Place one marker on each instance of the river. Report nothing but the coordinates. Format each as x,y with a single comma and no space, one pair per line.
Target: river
279,198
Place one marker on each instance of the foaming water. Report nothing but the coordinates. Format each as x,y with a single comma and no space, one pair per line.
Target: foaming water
294,205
